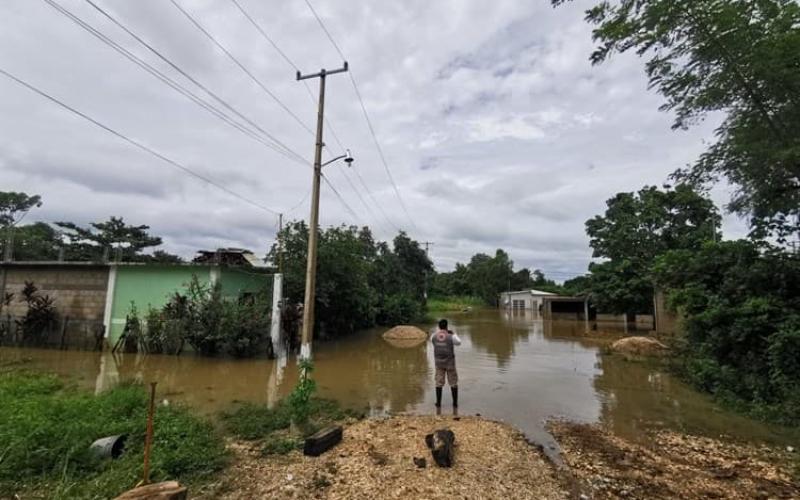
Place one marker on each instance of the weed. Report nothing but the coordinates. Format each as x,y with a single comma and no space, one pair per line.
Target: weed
46,429
280,446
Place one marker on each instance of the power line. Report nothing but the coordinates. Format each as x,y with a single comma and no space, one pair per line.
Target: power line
241,66
292,64
136,143
168,81
346,205
289,62
366,115
189,77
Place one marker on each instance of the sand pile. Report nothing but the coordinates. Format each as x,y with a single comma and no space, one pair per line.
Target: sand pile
639,346
405,332
376,461
405,336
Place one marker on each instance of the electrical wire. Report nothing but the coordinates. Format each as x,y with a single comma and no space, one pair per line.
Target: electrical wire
366,115
290,63
241,66
189,77
136,143
170,82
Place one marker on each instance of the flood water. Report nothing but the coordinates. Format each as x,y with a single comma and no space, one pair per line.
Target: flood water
511,368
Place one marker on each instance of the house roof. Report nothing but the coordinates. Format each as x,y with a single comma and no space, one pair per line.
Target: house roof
532,292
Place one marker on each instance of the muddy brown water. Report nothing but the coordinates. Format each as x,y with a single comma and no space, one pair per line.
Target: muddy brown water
512,368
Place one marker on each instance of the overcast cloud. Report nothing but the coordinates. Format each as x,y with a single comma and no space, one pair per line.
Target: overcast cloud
498,131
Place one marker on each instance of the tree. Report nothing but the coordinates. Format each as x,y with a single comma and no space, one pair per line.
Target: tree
14,206
90,243
38,241
741,57
637,228
739,301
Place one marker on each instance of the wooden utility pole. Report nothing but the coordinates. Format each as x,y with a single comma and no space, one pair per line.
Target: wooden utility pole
311,267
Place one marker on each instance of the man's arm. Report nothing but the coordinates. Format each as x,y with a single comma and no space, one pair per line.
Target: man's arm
456,340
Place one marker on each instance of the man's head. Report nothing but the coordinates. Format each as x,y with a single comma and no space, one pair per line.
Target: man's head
442,324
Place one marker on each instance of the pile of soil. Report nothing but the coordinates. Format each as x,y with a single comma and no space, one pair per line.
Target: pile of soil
639,346
672,465
375,460
405,336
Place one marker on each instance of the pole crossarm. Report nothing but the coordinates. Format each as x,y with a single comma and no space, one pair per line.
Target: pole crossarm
323,72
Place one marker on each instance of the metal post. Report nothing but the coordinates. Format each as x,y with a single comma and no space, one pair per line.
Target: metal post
313,230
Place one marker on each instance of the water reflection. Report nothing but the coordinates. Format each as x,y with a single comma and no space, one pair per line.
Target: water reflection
512,367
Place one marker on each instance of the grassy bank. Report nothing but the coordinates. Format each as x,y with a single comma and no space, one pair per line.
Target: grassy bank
272,427
46,428
453,304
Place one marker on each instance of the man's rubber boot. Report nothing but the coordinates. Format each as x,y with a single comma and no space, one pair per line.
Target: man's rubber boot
454,391
438,397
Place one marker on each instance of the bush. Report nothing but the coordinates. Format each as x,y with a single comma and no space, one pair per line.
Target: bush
400,309
741,329
40,316
46,429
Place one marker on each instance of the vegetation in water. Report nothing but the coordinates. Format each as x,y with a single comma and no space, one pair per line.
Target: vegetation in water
360,282
454,303
46,429
738,299
206,320
741,308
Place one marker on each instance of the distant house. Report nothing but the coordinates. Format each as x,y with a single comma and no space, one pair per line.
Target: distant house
530,300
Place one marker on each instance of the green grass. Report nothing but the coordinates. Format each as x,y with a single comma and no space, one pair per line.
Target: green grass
273,426
46,428
453,304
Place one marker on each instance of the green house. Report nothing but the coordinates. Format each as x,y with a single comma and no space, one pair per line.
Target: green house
152,285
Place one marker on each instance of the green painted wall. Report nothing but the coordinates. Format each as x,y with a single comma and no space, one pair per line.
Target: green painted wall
148,285
152,285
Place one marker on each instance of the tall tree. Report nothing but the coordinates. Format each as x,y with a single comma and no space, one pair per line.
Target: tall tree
741,57
637,228
91,243
14,206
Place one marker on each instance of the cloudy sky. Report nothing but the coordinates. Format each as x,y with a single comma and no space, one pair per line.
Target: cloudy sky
495,127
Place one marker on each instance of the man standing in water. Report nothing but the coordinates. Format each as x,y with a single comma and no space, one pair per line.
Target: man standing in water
444,354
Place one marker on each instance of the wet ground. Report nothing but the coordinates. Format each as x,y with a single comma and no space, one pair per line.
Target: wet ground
512,368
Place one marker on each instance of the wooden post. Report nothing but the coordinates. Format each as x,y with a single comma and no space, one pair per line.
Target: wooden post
148,439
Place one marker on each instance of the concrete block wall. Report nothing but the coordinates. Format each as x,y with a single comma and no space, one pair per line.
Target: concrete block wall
79,292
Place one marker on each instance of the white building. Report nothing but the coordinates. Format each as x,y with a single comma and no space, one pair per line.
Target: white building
530,300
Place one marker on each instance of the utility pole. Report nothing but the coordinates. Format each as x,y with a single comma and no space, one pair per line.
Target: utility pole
425,289
280,243
311,268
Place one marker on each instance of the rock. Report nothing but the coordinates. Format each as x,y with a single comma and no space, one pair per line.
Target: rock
639,346
790,449
167,490
420,462
441,443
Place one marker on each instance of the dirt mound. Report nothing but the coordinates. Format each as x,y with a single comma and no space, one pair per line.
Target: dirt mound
405,332
639,346
375,460
671,465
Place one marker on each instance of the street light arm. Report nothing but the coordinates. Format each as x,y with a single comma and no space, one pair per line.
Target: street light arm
334,159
